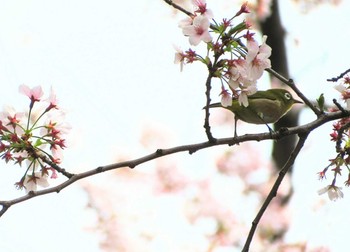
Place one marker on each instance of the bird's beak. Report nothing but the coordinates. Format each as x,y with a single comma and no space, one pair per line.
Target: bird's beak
296,101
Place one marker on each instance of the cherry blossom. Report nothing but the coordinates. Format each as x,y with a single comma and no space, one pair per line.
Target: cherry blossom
239,78
202,8
345,92
34,94
52,100
238,73
245,92
334,192
20,157
185,22
55,125
244,9
257,58
198,31
12,120
180,57
31,182
226,98
32,137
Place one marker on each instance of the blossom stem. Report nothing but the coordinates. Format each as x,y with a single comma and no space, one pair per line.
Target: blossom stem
29,115
36,121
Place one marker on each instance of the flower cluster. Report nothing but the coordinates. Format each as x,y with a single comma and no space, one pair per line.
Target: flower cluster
34,138
341,136
238,65
344,89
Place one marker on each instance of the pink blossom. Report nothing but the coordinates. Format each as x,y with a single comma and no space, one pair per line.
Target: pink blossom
179,57
7,156
237,73
244,73
191,56
198,31
20,157
243,96
239,77
257,58
345,92
185,22
202,8
9,117
54,174
37,179
34,94
334,136
55,126
252,47
57,155
226,98
52,100
322,174
244,9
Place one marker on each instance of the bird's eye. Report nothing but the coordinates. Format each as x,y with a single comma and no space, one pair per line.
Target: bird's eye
287,96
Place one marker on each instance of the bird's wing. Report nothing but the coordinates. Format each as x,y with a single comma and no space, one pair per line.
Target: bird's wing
263,94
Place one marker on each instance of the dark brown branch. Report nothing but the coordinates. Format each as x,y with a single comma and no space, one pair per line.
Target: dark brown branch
340,107
52,164
191,148
175,6
207,114
274,189
335,79
292,85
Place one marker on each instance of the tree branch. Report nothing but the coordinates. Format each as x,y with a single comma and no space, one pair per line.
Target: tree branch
335,79
175,6
274,189
291,84
207,114
191,148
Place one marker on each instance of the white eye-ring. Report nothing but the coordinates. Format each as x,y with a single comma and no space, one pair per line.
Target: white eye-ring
287,96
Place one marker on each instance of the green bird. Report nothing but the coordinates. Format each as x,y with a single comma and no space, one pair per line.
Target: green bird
264,107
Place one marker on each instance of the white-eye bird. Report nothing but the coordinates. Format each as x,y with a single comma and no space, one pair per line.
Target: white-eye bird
264,107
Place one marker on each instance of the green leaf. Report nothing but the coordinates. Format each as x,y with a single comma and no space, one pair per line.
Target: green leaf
320,102
230,46
38,142
238,28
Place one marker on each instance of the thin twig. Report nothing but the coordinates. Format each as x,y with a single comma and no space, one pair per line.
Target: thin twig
291,84
340,107
274,189
335,79
52,164
175,6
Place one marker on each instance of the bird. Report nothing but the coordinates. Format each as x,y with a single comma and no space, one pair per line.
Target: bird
264,107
